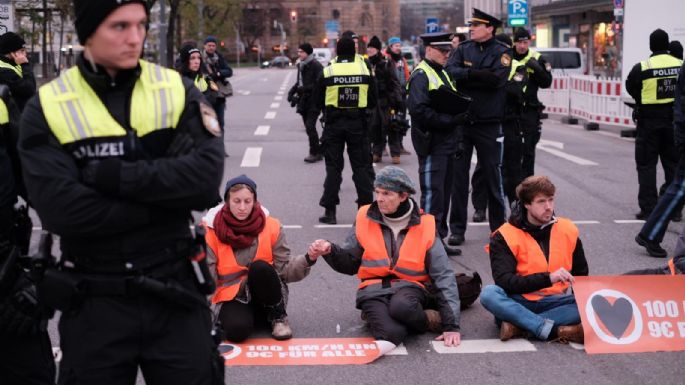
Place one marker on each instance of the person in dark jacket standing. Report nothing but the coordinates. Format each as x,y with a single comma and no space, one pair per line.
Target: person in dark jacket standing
435,131
402,70
651,83
534,258
218,69
539,76
653,231
345,92
390,102
190,67
25,350
394,250
309,70
480,68
116,152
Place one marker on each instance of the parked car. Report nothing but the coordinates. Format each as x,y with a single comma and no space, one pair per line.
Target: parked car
278,61
565,61
323,55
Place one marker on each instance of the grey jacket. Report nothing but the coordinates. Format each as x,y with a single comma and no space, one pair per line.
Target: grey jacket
347,260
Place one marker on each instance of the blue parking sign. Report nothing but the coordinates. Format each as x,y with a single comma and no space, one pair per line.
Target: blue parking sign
518,12
432,25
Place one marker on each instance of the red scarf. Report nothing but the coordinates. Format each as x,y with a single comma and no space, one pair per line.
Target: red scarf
239,234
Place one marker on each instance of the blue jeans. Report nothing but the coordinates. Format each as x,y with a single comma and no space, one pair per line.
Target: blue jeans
537,317
656,225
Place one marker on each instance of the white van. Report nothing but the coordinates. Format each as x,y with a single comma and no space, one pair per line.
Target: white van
323,55
565,61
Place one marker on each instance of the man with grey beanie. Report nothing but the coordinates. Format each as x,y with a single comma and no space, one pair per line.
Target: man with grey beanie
394,287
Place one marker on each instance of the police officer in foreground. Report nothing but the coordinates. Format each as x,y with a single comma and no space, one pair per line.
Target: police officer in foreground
480,67
116,153
345,92
435,129
539,75
652,84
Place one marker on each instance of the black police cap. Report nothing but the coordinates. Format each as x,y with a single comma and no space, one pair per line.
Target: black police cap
478,16
437,39
521,34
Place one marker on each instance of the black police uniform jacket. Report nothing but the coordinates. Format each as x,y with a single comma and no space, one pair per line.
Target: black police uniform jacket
425,118
139,204
488,97
679,114
22,87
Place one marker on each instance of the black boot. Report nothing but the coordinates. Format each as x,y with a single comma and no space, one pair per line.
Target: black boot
328,217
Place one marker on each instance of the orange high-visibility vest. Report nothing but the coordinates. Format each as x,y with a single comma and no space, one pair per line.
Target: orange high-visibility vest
671,265
376,263
230,273
531,259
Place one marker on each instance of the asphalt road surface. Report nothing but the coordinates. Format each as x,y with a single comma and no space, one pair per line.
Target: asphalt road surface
596,182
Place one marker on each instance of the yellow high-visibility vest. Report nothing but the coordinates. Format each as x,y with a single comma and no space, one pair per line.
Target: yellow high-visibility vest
434,80
75,113
4,113
347,84
659,76
201,83
15,68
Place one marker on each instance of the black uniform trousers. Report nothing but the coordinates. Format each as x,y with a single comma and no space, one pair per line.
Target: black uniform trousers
654,141
106,339
488,141
435,180
671,200
309,118
531,126
382,135
511,168
341,129
393,317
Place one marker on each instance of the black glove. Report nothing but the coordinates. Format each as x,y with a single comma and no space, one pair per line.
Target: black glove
486,77
534,64
462,119
20,312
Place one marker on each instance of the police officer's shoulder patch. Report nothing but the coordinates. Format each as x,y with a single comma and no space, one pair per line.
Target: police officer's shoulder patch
209,119
506,60
548,67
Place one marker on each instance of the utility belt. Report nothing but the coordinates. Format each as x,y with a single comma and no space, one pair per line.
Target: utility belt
332,113
66,286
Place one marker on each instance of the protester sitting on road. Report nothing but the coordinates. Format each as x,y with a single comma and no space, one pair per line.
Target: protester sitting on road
191,68
393,291
534,258
248,252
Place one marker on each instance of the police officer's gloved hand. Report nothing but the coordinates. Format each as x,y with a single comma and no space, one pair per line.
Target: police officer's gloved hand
103,175
534,65
486,77
461,119
20,312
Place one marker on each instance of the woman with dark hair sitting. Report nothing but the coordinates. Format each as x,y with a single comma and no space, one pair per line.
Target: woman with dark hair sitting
248,253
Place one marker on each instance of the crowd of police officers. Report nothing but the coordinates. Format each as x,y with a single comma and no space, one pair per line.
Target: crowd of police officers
110,152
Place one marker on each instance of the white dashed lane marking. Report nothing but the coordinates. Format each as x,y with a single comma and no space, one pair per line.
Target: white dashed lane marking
275,105
262,130
628,221
252,157
278,98
485,346
340,226
270,115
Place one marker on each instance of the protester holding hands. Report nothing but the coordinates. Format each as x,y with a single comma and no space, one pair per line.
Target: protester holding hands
394,287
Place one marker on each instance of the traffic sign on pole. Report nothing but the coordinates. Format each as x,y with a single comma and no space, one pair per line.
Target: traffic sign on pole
518,13
432,25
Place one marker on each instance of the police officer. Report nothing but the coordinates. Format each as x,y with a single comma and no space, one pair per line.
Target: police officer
25,350
345,92
116,153
539,76
652,84
435,131
480,66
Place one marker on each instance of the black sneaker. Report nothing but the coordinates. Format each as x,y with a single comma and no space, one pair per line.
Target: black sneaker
455,240
642,215
653,248
313,158
479,216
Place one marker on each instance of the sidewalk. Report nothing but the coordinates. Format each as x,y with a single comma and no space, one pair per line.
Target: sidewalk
602,127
